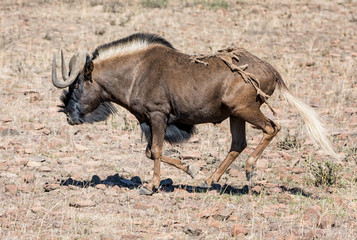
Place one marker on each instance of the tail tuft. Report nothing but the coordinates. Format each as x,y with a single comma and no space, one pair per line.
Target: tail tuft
314,127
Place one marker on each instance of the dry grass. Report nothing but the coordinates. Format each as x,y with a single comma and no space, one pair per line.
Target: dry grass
312,44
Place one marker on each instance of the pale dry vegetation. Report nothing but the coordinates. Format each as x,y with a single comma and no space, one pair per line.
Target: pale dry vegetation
64,182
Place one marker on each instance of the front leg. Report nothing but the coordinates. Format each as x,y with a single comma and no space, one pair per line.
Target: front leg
190,169
158,127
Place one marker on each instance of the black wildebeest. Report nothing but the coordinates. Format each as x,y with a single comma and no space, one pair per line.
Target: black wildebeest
169,92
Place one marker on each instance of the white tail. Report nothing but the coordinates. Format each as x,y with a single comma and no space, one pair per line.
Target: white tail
312,120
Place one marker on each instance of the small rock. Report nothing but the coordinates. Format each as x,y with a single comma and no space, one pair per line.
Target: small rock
8,175
276,190
193,230
191,155
142,205
238,229
25,188
44,169
5,222
107,237
33,164
283,176
35,96
285,155
46,131
11,189
101,186
284,198
9,132
13,169
213,223
312,213
28,177
310,63
256,189
269,184
21,162
51,186
82,203
39,126
315,102
234,172
3,166
194,139
80,147
132,237
201,163
29,151
223,213
234,218
38,209
97,229
297,170
327,222
294,178
67,160
208,212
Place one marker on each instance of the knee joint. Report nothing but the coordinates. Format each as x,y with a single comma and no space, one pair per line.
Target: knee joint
155,153
271,133
148,153
273,129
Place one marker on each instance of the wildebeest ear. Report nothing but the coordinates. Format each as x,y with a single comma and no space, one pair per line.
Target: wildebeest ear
88,70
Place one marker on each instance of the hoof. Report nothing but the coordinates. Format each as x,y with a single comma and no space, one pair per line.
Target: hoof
250,175
145,191
192,171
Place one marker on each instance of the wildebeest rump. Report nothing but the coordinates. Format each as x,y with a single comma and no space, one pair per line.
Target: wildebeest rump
169,92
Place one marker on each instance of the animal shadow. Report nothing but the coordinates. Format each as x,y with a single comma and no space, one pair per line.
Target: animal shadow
166,185
112,180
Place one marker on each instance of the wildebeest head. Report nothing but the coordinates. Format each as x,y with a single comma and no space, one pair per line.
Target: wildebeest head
84,101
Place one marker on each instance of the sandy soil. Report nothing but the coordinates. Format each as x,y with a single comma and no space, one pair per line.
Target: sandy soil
63,182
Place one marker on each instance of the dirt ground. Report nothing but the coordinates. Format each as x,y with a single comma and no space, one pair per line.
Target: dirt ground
80,182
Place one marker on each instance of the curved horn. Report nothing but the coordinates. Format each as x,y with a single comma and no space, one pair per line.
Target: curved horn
76,65
56,82
63,67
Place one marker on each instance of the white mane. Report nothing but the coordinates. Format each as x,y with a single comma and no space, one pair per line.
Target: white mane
122,49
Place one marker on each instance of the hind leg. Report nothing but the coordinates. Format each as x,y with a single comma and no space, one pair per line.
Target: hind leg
190,170
269,128
239,143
